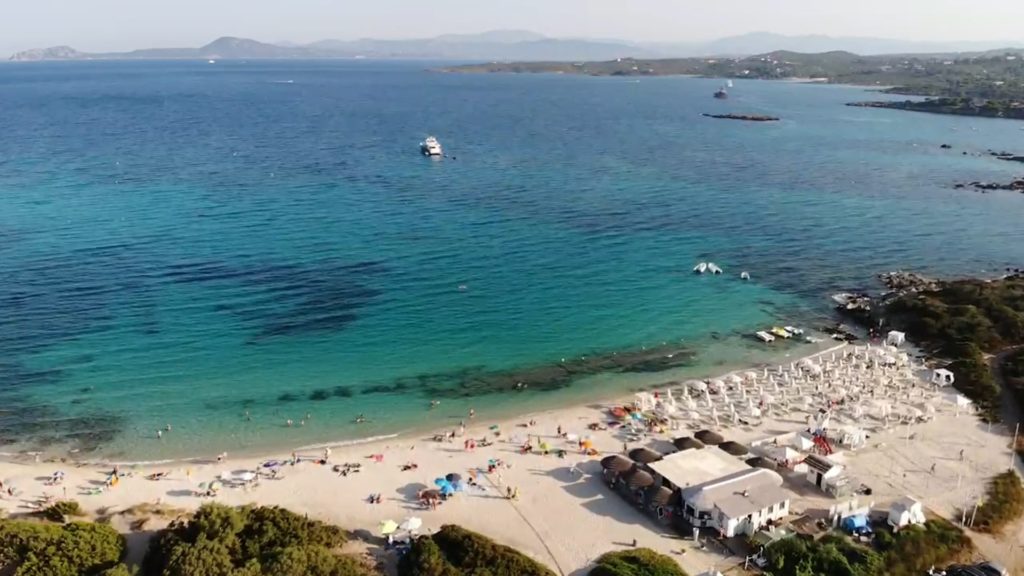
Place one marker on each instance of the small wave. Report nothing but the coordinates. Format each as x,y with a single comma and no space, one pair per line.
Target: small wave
343,443
282,81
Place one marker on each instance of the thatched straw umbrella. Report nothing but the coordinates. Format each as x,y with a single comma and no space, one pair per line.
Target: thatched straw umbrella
734,448
709,438
687,443
663,496
617,463
762,462
645,455
638,479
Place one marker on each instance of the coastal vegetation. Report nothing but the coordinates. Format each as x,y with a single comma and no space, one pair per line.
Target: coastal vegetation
1011,109
1003,503
454,551
909,552
975,84
224,541
31,548
636,562
963,320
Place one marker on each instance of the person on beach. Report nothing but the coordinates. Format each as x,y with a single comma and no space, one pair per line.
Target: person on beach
288,422
327,454
559,430
508,492
159,434
472,413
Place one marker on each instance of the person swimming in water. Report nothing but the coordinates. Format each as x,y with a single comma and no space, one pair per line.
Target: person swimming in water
360,419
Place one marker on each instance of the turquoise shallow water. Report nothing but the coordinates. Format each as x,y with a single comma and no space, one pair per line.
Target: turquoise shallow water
182,243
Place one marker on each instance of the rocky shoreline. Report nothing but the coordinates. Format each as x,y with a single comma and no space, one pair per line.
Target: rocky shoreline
1011,110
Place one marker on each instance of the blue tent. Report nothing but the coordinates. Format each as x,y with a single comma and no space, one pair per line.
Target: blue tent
856,524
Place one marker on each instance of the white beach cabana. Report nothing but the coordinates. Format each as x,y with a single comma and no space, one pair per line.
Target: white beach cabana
895,338
942,377
904,512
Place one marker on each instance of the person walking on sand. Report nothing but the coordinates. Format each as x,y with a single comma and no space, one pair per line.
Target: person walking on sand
327,454
508,492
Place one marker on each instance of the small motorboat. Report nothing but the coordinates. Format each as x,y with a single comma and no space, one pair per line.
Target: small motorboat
794,330
744,275
701,268
781,332
713,268
765,337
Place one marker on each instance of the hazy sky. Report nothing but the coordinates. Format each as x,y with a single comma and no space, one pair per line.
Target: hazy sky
100,25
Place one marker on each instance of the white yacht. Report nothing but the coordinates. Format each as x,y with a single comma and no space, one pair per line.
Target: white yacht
713,268
431,147
701,268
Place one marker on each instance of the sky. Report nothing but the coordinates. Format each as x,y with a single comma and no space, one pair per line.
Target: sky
112,25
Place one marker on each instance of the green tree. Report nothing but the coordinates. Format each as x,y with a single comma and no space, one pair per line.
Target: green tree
638,562
203,557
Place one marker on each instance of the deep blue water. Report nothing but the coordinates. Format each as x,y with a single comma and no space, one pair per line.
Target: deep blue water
183,242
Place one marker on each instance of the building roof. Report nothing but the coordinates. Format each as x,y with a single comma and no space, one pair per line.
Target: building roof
692,467
904,504
739,493
820,463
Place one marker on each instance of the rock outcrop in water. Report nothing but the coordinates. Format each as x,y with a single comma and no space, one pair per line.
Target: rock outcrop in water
744,117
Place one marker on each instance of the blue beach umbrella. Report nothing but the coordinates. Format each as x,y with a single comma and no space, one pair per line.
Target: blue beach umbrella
441,482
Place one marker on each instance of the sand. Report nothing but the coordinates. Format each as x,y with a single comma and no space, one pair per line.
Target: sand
561,518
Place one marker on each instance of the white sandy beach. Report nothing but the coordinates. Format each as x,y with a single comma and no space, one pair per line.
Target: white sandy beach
561,518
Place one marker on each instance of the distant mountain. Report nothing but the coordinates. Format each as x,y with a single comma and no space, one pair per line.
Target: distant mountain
763,42
54,53
523,46
496,45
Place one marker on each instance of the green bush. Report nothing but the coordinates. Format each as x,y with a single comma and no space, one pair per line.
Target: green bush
638,562
915,549
832,556
1004,503
223,541
75,549
455,551
62,510
962,321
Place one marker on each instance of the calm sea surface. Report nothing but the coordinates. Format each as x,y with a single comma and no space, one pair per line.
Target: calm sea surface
188,243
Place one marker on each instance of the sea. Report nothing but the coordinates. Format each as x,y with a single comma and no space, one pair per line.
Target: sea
224,248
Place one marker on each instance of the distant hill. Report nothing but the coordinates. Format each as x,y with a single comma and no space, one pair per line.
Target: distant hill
525,46
495,45
762,42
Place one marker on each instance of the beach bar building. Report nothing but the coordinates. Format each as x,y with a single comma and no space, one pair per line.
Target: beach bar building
721,492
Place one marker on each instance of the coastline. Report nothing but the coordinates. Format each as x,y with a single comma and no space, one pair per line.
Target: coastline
553,499
615,389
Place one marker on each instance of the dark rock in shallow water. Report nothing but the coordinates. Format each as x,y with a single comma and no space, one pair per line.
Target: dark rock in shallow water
744,117
342,392
319,395
287,397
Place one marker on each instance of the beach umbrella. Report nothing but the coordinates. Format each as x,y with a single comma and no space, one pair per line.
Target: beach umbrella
661,496
453,477
645,455
388,527
441,482
761,462
709,438
733,448
447,490
687,443
617,463
639,479
411,524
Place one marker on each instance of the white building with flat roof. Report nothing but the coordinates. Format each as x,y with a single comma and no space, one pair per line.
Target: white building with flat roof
720,491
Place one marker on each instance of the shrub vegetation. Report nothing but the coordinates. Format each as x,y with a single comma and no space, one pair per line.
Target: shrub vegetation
963,320
910,552
455,551
44,549
223,541
638,562
1004,503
